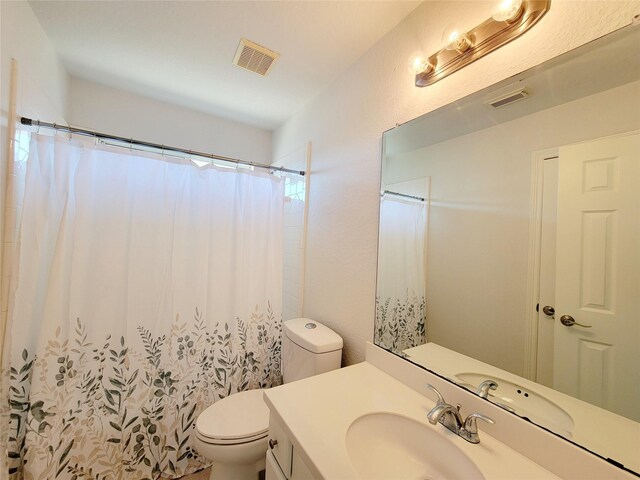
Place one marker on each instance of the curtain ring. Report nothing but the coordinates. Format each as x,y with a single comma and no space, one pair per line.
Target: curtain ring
38,129
70,132
131,145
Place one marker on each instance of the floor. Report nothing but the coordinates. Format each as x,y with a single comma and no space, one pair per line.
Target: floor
201,475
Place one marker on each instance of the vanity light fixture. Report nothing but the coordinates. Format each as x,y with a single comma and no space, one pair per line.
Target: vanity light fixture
507,10
456,38
418,62
509,19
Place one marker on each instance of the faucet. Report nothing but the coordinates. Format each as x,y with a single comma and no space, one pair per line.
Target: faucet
447,415
483,392
450,417
484,387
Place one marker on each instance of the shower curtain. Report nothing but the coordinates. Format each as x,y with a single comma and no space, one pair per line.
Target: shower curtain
400,298
146,289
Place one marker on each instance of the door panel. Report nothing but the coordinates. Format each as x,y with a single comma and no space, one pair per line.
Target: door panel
598,273
595,365
598,238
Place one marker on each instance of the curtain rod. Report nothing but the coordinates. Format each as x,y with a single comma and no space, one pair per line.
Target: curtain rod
413,197
132,141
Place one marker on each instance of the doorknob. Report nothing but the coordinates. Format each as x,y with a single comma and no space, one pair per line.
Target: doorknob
550,311
568,321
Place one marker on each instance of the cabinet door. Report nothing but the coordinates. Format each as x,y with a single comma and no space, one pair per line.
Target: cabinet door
299,470
273,471
280,446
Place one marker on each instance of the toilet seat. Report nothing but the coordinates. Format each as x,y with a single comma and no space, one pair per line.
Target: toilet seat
239,418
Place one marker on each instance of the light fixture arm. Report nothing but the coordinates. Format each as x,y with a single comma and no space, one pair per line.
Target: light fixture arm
487,37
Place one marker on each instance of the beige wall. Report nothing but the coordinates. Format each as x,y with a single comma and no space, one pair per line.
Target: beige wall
114,111
294,232
345,123
23,38
40,92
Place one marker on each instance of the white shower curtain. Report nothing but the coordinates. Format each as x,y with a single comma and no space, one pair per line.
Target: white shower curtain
400,298
146,290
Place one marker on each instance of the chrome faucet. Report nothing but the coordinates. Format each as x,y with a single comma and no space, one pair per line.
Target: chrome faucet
447,415
484,387
483,392
450,417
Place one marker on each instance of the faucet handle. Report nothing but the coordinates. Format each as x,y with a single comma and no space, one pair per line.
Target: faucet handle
440,397
470,429
470,424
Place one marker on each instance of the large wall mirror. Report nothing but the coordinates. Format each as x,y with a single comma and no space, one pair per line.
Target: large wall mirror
509,251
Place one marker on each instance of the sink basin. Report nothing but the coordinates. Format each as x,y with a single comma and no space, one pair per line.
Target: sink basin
389,446
525,402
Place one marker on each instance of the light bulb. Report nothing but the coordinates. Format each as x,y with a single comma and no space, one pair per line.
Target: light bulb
507,10
455,38
418,63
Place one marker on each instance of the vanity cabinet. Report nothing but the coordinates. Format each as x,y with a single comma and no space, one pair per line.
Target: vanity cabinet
272,470
283,462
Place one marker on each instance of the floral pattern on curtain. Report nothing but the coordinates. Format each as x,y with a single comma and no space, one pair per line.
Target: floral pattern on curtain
147,290
400,321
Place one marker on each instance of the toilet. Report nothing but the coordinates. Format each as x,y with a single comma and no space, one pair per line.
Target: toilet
232,432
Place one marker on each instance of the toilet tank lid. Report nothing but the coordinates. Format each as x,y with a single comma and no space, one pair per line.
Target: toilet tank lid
312,335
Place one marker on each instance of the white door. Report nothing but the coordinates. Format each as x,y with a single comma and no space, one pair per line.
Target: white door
598,273
547,292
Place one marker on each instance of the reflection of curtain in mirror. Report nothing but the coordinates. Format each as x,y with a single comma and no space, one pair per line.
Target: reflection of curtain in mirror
400,299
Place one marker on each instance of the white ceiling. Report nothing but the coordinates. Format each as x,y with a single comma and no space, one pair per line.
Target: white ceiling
181,51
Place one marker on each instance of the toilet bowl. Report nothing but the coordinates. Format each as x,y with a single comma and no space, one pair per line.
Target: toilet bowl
234,435
232,432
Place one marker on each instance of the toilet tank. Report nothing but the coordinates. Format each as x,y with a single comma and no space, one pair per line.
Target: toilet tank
309,348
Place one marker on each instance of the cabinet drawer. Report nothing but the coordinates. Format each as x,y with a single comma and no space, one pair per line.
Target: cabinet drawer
280,446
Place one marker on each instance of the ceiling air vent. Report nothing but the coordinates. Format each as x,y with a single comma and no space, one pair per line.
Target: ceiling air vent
507,98
254,57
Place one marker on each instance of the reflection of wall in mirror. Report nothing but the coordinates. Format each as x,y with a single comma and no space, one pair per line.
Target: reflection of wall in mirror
479,220
400,294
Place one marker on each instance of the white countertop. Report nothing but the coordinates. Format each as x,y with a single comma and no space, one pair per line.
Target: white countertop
316,413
